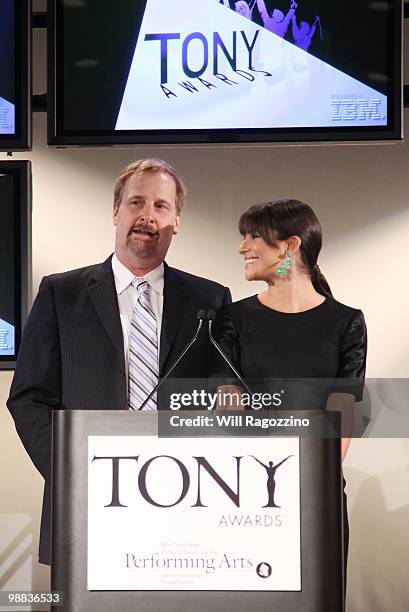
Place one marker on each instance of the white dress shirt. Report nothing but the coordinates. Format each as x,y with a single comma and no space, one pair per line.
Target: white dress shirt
126,293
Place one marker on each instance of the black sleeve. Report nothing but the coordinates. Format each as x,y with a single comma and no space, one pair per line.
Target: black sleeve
36,386
352,359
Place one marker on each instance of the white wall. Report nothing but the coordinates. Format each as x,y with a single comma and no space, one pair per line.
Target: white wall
361,195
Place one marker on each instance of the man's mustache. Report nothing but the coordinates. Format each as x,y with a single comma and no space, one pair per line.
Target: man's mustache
145,229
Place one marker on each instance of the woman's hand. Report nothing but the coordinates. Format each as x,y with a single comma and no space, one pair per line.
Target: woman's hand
344,404
229,397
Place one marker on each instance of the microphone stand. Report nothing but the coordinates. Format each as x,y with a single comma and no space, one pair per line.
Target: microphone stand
211,315
201,315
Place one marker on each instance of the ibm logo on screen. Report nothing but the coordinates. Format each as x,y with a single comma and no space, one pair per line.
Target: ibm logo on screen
4,115
3,339
355,109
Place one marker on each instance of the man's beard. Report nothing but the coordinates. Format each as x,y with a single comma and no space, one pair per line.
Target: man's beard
142,249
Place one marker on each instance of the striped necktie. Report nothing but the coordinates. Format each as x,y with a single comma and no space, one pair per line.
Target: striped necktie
143,362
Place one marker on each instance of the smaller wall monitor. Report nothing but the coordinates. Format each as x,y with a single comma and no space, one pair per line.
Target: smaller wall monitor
15,75
224,71
15,256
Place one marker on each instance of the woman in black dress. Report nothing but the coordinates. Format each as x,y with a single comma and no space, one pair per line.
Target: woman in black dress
294,329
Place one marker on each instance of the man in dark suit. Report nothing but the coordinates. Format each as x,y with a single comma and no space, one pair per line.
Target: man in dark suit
78,346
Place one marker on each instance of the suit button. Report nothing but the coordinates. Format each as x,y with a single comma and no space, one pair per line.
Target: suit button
122,372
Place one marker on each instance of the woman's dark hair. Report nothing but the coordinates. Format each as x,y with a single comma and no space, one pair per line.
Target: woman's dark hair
285,218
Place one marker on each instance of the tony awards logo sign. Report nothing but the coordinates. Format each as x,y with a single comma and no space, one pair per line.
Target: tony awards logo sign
202,465
208,514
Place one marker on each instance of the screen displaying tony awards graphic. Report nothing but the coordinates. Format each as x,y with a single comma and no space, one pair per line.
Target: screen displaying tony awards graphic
7,51
7,265
245,64
7,114
201,514
6,338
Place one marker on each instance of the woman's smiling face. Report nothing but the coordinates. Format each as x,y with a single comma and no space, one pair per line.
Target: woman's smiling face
261,259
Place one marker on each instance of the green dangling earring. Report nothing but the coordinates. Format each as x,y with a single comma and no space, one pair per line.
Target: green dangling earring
284,266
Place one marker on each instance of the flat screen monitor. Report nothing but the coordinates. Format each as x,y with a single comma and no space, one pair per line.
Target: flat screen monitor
224,71
15,75
15,256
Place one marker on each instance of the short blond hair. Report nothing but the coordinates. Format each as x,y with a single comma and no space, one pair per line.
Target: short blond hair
150,165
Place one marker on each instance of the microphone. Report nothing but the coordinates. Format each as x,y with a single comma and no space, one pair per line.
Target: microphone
211,315
201,316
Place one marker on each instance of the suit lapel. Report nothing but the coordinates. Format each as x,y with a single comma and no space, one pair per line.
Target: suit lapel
175,298
103,297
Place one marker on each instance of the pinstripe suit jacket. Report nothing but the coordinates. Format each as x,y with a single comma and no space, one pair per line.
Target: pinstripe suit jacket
72,354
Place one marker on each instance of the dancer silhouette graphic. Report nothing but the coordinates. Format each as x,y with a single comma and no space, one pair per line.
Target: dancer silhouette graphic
304,34
243,8
271,470
277,23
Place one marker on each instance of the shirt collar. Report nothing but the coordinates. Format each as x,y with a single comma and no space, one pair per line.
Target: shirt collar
124,277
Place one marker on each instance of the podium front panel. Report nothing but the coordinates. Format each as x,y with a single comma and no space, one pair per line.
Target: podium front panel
80,438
